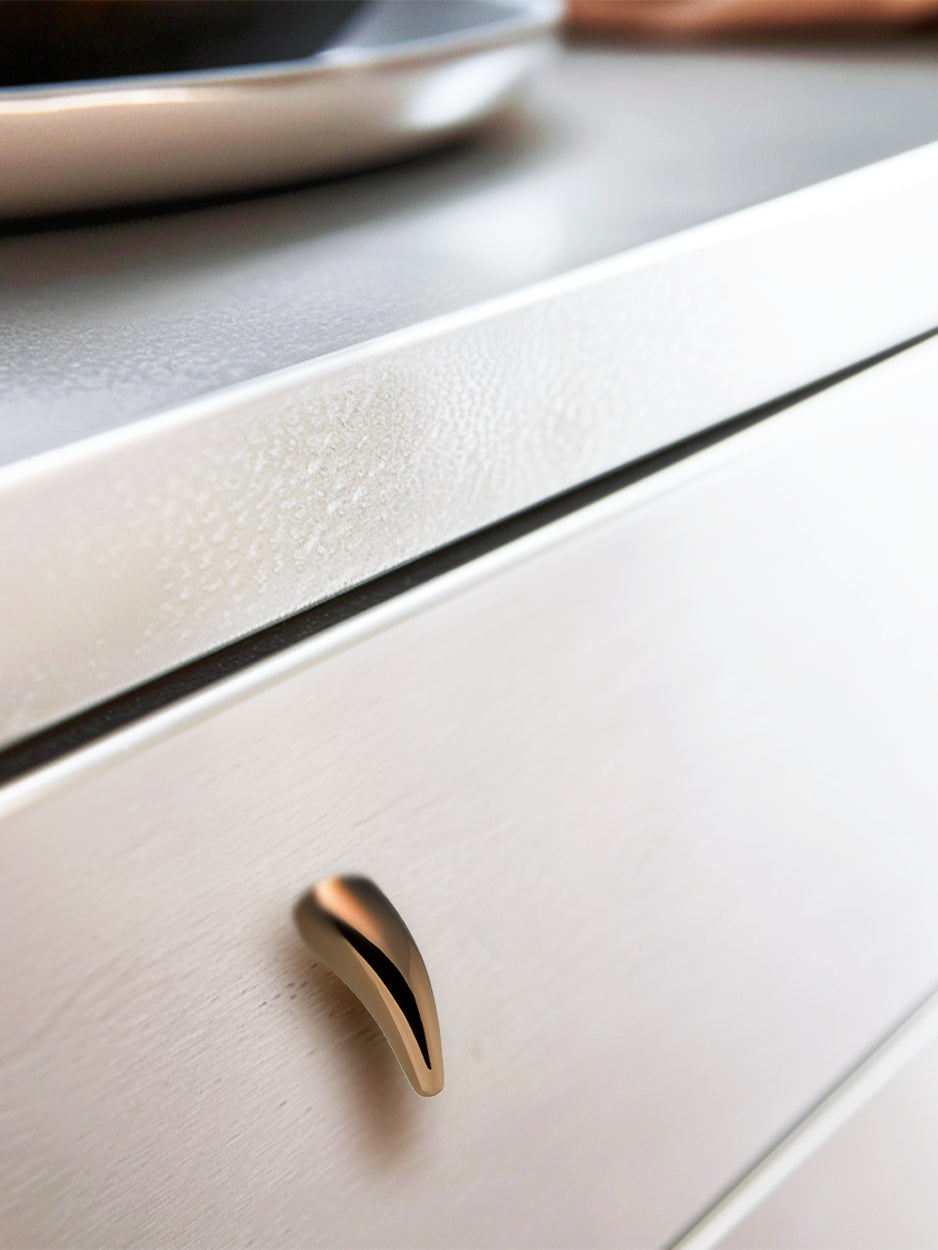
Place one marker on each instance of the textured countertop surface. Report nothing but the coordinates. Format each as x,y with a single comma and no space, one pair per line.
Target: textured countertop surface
109,320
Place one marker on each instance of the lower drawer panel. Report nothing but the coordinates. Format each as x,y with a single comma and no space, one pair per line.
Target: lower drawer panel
654,790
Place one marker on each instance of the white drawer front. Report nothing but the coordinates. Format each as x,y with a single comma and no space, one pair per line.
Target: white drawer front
655,793
871,1186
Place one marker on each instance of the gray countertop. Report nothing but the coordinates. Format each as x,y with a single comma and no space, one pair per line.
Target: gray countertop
109,321
217,416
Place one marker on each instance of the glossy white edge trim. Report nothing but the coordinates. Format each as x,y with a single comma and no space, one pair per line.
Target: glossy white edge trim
897,172
899,1049
798,423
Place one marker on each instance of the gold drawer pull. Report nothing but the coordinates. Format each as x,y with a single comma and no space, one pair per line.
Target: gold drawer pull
353,928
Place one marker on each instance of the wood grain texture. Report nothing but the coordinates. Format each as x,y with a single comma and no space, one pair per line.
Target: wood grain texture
657,800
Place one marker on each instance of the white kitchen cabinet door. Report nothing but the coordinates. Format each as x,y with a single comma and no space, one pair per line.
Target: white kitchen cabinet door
654,789
872,1186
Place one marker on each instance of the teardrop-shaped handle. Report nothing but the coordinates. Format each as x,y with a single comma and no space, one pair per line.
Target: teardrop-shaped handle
353,928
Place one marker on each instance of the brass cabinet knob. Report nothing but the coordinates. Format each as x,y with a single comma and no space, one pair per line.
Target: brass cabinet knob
353,928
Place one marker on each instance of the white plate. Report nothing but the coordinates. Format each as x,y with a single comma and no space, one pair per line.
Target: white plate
386,88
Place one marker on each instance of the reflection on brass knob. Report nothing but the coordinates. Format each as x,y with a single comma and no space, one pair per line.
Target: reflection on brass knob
353,928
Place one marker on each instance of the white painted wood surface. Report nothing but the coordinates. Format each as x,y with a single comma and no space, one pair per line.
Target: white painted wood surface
864,1082
872,1186
655,791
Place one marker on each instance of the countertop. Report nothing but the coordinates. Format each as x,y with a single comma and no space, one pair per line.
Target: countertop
214,416
111,321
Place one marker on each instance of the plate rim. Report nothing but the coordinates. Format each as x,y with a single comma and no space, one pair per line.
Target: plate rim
522,20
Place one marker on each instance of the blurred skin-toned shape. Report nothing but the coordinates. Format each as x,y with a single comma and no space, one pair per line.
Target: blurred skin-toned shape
689,19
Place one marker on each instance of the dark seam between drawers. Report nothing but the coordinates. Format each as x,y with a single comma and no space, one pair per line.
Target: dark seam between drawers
116,713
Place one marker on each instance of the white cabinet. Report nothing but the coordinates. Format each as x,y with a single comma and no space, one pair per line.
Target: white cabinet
871,1186
654,788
